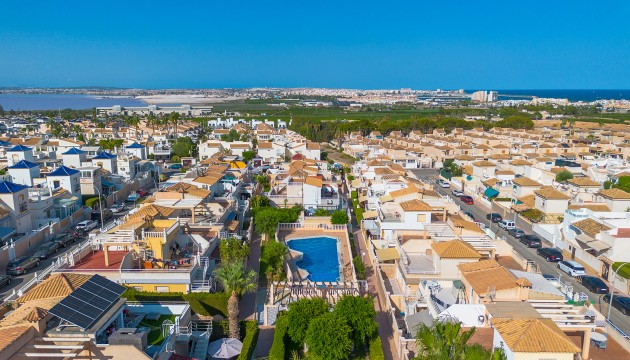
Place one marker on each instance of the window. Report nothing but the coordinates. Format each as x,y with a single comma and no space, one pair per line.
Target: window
56,184
161,289
137,288
422,217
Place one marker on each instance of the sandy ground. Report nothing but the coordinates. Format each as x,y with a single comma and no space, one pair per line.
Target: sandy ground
184,99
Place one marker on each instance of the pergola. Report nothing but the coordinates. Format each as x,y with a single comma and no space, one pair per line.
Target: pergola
180,204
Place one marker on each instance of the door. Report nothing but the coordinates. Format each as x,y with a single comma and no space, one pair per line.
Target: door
605,270
572,253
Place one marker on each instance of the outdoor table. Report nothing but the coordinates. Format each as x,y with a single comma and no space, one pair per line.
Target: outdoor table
598,337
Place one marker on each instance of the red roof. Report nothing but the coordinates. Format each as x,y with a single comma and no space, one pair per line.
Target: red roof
298,157
623,233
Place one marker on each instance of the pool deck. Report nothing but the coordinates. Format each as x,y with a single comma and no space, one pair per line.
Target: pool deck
290,234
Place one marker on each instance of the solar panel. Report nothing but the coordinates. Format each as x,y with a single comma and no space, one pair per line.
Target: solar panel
85,305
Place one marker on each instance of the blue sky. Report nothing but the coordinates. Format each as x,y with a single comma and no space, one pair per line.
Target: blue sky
363,44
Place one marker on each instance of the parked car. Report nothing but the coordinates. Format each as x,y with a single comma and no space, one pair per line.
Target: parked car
531,241
572,268
470,215
21,265
516,232
507,224
620,302
468,200
107,214
64,239
116,208
5,280
133,197
458,192
47,249
594,284
86,225
175,166
142,192
550,254
494,217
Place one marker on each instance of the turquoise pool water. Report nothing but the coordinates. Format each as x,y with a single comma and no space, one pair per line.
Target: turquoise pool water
320,257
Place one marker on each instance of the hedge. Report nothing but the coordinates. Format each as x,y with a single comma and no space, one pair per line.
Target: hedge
376,349
206,304
249,340
278,351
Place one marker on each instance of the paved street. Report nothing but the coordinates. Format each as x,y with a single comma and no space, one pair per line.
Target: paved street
479,211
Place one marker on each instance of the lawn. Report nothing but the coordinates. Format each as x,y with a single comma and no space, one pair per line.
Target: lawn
155,336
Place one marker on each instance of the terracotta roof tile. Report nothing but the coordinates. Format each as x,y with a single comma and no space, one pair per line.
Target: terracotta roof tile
415,205
525,181
455,249
56,285
590,227
615,194
533,336
550,193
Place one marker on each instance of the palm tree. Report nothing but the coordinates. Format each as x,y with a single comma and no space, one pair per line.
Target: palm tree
447,341
174,118
236,281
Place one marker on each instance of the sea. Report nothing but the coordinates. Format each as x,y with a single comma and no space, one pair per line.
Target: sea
32,102
573,94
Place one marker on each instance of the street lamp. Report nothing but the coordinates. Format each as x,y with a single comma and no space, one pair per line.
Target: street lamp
612,288
100,204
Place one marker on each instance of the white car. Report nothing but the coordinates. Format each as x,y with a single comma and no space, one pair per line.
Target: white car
572,268
458,193
116,208
444,184
507,224
86,225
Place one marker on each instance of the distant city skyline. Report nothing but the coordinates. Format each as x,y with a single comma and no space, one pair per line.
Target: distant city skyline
364,45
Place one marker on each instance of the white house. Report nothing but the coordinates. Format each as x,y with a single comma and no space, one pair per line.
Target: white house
24,172
66,178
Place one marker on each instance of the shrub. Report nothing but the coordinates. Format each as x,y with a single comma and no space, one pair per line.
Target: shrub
350,177
321,212
564,176
92,202
353,194
300,315
206,304
376,349
339,217
328,337
175,159
359,268
534,215
249,340
502,199
359,314
278,351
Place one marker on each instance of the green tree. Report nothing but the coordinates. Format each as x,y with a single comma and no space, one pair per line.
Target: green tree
321,212
183,147
273,256
564,176
233,250
266,220
443,341
248,155
236,281
300,315
231,136
339,217
328,337
359,314
259,202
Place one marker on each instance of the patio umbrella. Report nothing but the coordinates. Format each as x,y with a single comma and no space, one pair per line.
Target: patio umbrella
225,348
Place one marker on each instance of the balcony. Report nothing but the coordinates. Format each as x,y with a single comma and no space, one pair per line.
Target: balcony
391,216
157,151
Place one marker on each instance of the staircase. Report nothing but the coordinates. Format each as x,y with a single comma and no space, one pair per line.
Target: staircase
202,282
201,330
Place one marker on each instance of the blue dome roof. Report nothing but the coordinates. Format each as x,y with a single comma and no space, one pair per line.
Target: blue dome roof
7,187
104,156
135,146
63,171
74,151
20,148
23,164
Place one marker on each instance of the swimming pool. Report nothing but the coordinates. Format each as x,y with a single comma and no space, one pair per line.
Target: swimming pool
320,257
